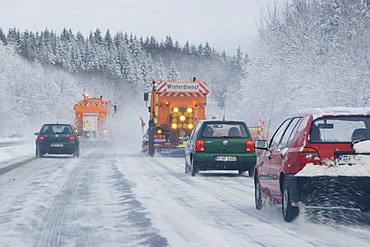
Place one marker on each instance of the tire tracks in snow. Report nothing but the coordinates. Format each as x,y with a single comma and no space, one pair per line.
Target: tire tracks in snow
50,231
221,187
97,207
177,187
10,165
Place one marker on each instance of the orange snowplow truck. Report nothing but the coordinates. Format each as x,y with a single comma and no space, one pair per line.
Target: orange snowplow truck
175,107
93,118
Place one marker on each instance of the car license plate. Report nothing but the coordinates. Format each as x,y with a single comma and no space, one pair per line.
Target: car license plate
225,158
159,140
344,159
56,145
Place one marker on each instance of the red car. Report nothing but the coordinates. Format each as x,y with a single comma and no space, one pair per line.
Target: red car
319,158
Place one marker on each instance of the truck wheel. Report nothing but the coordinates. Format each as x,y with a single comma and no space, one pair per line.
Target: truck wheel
187,168
258,196
289,211
193,168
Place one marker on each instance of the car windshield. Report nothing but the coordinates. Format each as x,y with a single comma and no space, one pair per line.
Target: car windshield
340,129
225,130
56,129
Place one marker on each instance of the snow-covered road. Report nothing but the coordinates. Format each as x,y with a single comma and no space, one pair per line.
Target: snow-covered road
112,198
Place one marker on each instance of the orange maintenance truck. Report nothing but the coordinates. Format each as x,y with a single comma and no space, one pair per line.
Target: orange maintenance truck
175,107
93,118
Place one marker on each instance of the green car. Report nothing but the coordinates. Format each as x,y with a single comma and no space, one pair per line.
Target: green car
220,145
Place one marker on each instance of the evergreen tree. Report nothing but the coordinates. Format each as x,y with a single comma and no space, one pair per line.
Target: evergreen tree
3,37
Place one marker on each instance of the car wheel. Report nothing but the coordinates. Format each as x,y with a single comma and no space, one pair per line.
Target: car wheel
39,154
74,154
258,196
193,168
289,211
251,172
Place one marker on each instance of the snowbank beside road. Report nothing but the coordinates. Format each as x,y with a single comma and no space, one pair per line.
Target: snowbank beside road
8,154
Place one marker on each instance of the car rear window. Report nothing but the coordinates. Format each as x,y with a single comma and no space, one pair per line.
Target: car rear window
56,129
340,129
225,130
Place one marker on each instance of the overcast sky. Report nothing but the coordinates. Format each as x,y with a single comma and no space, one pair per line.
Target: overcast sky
224,24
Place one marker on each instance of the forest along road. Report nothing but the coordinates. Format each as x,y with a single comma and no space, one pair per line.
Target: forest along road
112,198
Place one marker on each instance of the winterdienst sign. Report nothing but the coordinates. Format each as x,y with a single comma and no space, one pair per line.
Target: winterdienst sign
182,88
189,87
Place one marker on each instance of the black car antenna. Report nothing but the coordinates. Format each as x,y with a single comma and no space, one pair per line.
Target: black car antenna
268,126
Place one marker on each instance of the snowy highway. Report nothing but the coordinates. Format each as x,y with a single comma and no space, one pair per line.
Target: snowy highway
113,198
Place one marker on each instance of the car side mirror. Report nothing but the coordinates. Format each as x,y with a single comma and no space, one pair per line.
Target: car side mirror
260,144
36,133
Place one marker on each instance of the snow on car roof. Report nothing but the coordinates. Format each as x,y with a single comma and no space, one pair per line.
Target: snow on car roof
336,111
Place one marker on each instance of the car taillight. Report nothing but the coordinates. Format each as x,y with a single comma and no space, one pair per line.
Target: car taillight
199,146
249,146
309,155
72,137
41,137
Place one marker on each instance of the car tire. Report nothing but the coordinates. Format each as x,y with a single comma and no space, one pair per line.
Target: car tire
258,195
251,172
193,168
39,154
289,211
76,153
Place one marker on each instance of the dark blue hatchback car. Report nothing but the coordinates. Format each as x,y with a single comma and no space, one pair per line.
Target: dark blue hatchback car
57,139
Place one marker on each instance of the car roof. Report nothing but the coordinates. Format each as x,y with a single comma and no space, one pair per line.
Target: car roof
221,121
336,111
56,124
